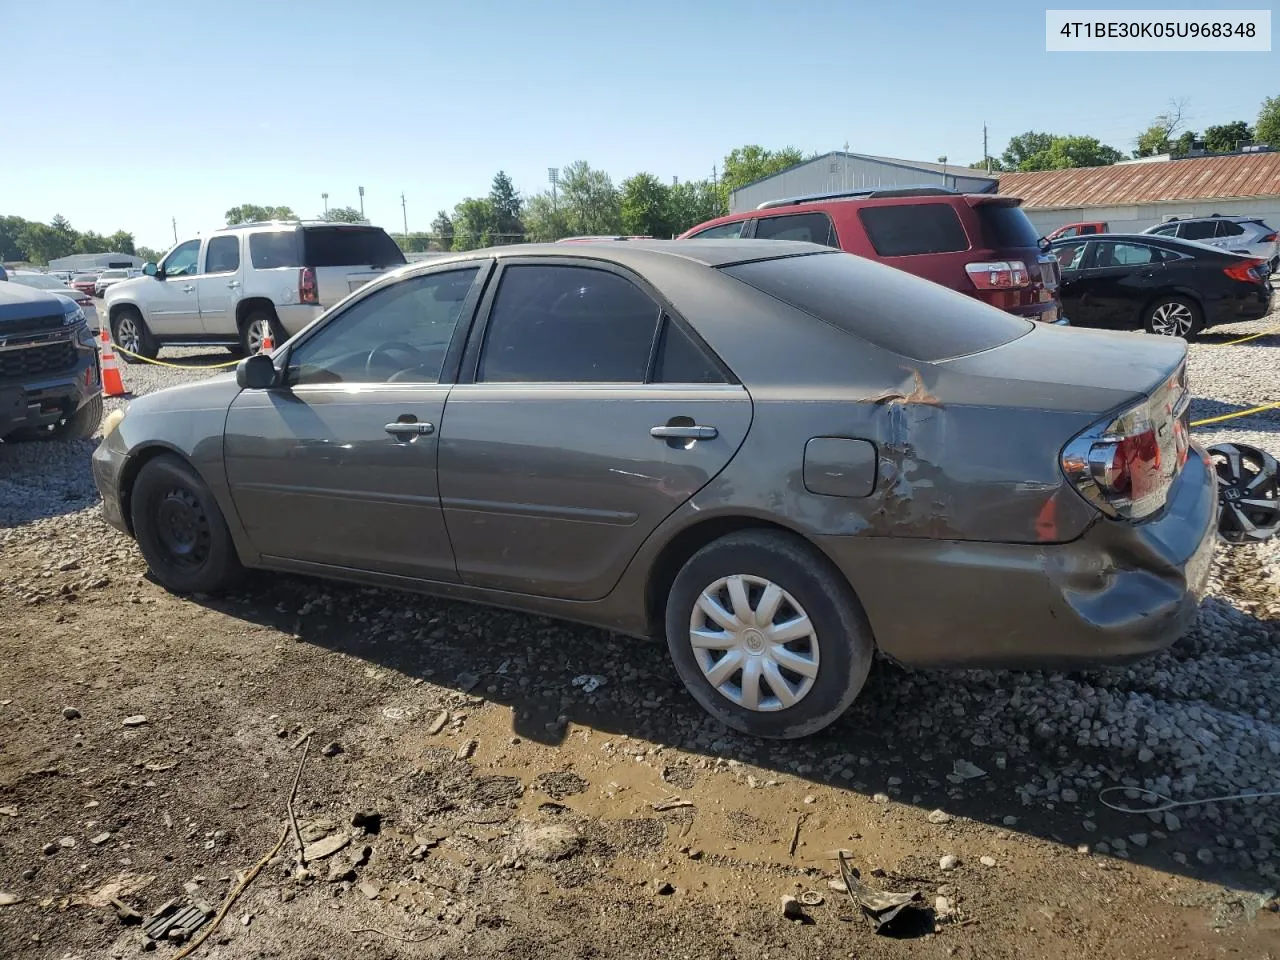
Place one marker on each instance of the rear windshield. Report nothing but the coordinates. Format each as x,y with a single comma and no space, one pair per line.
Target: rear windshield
895,311
349,247
1008,226
910,229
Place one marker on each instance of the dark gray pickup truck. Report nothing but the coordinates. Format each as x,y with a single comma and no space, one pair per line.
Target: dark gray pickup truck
50,381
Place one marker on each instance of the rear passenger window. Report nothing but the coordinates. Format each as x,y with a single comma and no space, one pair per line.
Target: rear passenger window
223,255
681,360
563,324
909,229
1226,228
806,227
270,250
1197,230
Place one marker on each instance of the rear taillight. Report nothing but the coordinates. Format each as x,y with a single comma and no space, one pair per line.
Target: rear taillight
1269,238
1246,270
1126,464
998,275
307,292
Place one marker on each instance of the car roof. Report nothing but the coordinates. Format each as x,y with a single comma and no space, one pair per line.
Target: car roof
637,253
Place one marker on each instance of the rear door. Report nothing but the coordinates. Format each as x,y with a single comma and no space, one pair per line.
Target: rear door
345,258
218,285
812,227
586,412
339,467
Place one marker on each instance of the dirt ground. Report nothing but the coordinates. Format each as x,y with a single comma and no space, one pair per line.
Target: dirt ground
526,824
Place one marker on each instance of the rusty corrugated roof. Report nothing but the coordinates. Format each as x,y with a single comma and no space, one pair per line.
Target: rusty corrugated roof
1196,178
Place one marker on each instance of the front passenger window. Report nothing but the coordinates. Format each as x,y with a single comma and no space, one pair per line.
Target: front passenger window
399,334
182,259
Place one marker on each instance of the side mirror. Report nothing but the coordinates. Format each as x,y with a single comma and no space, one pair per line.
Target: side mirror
150,269
256,373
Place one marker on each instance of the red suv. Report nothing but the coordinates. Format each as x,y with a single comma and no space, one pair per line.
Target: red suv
980,244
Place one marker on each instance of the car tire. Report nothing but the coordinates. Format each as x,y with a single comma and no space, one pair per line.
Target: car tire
833,657
81,425
1173,317
252,328
130,332
180,530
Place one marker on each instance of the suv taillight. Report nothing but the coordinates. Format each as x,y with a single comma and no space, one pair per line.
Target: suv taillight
307,291
1268,238
1125,465
1246,270
998,275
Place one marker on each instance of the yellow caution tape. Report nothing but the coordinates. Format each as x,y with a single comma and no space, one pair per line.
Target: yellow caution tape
176,366
1232,416
1252,336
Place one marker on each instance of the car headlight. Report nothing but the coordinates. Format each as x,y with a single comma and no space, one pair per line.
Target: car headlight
71,312
112,420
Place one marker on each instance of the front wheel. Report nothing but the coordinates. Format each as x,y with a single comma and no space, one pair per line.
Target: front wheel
180,529
1173,317
767,636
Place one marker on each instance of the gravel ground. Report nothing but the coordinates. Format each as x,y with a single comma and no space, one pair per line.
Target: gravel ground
529,811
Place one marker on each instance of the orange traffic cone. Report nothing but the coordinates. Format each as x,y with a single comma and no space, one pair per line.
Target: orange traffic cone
268,343
112,382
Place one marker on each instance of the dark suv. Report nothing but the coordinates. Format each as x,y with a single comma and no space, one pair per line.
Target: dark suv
980,244
50,382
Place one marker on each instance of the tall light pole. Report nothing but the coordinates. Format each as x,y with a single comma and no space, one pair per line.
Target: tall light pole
325,198
361,189
553,178
405,211
943,161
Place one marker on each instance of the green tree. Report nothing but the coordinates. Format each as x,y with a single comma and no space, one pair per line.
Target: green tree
1182,146
745,165
996,165
472,224
343,215
545,219
12,231
122,242
1023,147
646,206
442,227
43,243
507,206
148,255
590,200
253,213
90,242
1226,137
1267,129
1158,137
1064,153
691,202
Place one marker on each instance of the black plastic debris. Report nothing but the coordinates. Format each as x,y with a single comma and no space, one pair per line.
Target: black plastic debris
901,915
178,921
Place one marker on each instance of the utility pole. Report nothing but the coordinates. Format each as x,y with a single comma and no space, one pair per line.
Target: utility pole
361,189
986,157
405,211
325,198
175,229
553,178
844,168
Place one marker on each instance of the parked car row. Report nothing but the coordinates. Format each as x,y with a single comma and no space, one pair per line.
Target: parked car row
51,284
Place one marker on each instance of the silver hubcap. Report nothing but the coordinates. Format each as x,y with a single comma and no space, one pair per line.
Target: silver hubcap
127,334
257,330
754,643
1171,319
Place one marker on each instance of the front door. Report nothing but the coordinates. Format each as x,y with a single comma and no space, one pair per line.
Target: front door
218,286
1119,278
591,415
172,304
339,467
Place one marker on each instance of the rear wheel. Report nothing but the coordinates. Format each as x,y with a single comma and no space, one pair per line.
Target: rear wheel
1173,317
254,327
767,635
181,530
129,331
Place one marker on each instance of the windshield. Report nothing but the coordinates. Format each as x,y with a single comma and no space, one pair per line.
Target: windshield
891,309
112,274
39,281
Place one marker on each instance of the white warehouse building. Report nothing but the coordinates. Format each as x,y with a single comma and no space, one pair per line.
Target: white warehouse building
1129,197
841,171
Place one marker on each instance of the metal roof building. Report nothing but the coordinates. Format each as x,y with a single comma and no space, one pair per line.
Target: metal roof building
1130,197
89,262
840,170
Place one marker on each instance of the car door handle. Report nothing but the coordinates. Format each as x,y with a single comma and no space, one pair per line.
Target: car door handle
414,429
693,432
233,284
188,288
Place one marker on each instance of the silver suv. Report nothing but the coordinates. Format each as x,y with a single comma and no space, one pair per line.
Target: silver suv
1247,235
231,287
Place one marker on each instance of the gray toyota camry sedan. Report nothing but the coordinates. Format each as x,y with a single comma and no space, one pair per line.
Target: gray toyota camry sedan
778,456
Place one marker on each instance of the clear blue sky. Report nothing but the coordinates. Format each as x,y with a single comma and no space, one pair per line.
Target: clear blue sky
126,114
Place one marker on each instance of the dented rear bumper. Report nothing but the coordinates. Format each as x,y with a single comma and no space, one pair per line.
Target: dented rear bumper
1118,592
